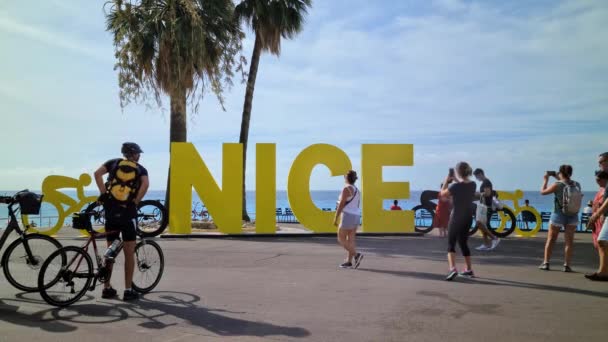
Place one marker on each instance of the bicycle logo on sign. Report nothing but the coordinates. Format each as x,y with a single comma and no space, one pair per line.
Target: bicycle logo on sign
525,213
59,200
503,222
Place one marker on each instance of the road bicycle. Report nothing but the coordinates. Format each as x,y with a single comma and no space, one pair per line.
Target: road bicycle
68,273
502,222
200,215
152,218
24,256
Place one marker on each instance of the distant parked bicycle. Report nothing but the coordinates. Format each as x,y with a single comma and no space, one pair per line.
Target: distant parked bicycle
24,256
502,223
68,273
200,215
152,217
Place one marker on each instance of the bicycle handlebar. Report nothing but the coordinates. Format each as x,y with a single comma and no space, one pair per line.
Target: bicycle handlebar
11,199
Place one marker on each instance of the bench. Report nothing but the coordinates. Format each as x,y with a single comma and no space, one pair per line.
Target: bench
584,220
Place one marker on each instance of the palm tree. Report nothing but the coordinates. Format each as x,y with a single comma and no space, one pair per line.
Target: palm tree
174,47
270,20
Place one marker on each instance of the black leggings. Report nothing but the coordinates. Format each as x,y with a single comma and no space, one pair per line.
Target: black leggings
458,231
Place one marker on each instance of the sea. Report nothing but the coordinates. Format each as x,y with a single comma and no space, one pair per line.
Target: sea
322,198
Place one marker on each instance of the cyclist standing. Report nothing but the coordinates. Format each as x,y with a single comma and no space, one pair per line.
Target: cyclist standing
126,185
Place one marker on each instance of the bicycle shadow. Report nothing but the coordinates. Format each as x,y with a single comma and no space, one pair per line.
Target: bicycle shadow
155,309
11,314
209,319
56,319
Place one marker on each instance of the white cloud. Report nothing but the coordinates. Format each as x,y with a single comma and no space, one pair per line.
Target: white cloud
57,40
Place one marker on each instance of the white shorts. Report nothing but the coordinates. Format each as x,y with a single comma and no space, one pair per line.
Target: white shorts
349,221
603,235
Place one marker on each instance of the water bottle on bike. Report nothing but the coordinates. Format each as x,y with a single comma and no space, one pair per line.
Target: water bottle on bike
113,250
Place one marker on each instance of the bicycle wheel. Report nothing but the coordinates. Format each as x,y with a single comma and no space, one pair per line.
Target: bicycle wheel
502,223
149,266
65,276
151,218
20,267
98,217
423,218
531,218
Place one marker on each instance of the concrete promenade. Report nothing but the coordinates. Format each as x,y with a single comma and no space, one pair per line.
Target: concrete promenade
290,289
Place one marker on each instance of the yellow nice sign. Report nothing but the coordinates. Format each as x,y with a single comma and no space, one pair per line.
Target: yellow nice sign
188,170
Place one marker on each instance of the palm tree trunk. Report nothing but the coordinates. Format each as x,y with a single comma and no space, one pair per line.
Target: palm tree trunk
244,136
178,129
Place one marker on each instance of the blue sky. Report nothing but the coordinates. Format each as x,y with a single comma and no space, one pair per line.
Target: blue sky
514,88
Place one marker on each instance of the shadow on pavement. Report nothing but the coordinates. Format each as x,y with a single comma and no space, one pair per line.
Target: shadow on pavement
39,320
56,319
171,304
155,308
481,309
489,281
512,251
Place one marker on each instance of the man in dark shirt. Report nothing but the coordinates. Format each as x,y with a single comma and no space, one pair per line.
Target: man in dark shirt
486,193
121,216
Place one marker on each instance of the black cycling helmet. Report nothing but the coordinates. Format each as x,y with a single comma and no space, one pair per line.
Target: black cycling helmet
130,148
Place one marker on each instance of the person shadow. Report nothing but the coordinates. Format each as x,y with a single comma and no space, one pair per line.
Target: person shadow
490,282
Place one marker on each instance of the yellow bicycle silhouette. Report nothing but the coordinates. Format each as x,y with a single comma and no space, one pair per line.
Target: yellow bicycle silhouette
52,195
517,209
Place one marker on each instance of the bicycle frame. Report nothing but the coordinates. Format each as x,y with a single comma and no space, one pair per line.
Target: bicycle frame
202,214
517,209
98,259
14,226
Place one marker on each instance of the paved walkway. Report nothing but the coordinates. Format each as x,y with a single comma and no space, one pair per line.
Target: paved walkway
290,289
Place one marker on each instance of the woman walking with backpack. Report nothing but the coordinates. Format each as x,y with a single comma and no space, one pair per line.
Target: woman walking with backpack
567,203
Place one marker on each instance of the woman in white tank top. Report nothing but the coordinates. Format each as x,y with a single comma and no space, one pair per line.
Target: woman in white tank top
348,212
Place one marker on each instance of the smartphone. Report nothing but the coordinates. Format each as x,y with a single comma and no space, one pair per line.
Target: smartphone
451,172
552,173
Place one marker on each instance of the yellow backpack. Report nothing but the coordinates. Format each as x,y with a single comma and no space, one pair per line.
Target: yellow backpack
124,181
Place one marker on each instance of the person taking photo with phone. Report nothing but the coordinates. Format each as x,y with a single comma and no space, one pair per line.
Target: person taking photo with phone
567,204
462,191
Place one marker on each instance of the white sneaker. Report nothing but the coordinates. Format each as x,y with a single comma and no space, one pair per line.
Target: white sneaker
495,243
482,248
